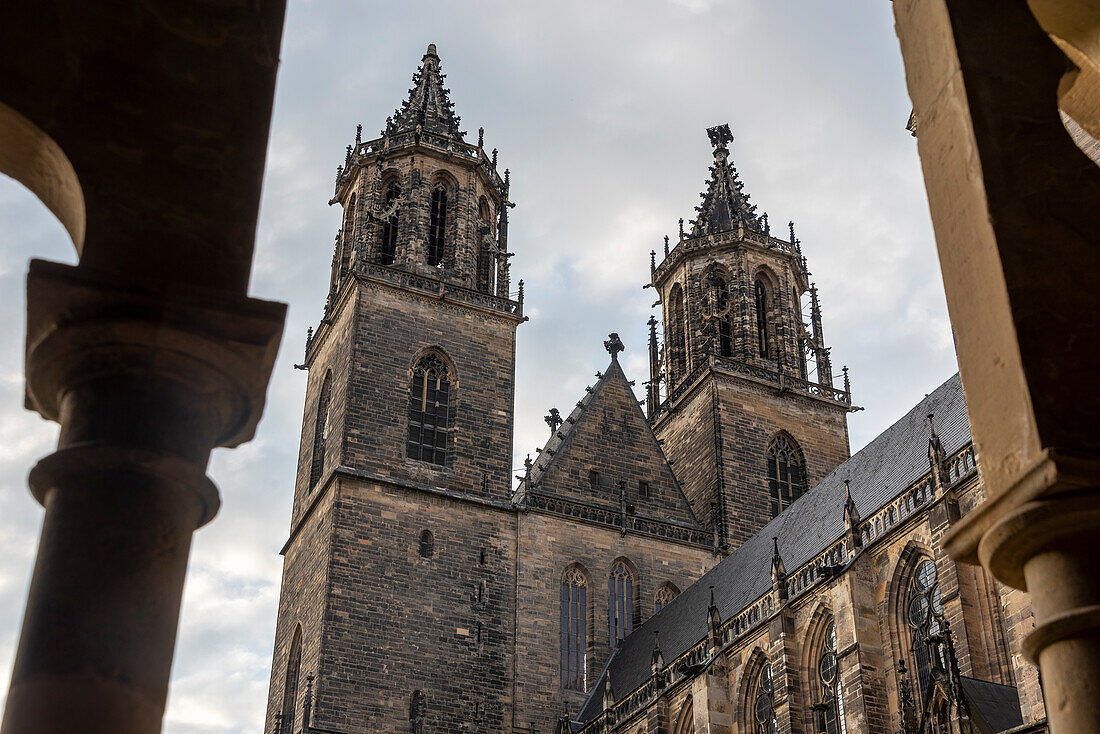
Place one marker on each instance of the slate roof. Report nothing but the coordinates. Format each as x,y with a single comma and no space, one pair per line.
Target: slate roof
997,705
879,472
428,104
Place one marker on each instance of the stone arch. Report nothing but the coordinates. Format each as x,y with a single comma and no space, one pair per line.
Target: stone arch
34,159
748,690
441,353
391,190
443,203
290,679
685,723
896,630
820,619
718,307
426,544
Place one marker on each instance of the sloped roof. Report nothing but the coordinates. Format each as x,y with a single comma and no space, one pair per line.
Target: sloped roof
880,471
427,104
997,705
608,432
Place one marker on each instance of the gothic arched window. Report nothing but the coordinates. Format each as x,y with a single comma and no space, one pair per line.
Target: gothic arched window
426,544
320,432
437,225
664,596
830,706
923,616
290,683
345,245
786,473
677,343
764,720
429,410
574,629
620,602
719,294
390,223
763,319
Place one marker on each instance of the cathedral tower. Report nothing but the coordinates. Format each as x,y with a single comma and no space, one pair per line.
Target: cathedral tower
398,571
748,415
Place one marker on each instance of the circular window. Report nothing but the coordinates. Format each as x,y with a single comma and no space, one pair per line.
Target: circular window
926,575
763,708
826,668
918,611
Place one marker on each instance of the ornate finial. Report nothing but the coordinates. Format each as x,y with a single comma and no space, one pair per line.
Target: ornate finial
653,259
339,173
431,50
307,705
666,245
791,225
494,158
657,659
519,297
507,174
681,229
481,137
712,596
613,345
720,136
358,136
847,382
553,420
764,221
347,158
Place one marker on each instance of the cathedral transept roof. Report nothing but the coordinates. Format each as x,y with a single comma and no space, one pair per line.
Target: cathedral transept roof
880,472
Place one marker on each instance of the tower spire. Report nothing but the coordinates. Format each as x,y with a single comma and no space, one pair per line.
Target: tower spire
725,206
428,108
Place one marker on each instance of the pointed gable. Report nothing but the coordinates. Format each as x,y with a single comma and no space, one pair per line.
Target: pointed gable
427,106
725,204
606,447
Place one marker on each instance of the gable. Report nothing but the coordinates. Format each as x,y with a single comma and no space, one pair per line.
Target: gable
606,447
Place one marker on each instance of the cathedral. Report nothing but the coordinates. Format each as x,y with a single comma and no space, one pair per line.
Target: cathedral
709,559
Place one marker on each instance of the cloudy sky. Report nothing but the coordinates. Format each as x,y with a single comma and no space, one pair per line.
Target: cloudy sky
599,109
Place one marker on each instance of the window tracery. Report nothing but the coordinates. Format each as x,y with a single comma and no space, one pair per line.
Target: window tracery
429,410
830,706
574,633
786,473
437,225
925,621
390,217
664,596
620,607
764,720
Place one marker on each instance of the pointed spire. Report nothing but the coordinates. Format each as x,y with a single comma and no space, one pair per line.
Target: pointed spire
481,137
725,206
358,137
564,726
936,455
851,520
666,245
779,571
608,693
427,108
657,659
653,387
714,619
847,381
653,259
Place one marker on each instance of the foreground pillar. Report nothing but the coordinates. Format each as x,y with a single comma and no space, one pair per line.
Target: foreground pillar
143,125
1014,203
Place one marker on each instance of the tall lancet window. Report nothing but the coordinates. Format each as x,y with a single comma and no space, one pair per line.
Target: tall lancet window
923,614
574,629
831,695
290,684
677,343
320,432
620,602
763,320
429,405
786,473
345,245
719,295
764,719
390,223
437,225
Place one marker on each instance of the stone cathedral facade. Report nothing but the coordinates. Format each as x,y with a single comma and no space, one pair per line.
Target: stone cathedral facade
709,559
